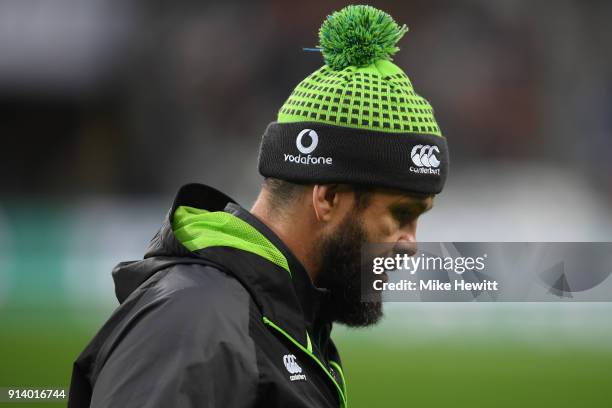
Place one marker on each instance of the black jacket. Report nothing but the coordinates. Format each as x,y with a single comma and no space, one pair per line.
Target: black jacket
215,327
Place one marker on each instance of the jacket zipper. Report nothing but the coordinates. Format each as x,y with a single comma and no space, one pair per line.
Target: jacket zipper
311,355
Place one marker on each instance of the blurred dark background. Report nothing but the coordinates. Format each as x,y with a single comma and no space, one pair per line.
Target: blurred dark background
134,97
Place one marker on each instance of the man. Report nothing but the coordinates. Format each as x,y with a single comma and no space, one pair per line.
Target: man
231,308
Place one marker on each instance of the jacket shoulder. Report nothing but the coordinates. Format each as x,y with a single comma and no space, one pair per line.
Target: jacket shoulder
189,327
197,285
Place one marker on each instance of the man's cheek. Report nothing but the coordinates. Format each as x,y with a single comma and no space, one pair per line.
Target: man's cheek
383,231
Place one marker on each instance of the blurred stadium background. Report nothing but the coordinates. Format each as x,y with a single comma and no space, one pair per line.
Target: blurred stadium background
107,107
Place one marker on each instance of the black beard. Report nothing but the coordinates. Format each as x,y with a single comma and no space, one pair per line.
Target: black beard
340,273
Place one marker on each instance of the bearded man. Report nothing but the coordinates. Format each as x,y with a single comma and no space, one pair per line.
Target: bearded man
234,308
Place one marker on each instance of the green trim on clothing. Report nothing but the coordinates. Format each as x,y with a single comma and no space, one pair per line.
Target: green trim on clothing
339,369
197,229
311,355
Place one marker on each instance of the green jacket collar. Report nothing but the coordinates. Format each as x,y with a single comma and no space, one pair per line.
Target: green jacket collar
290,299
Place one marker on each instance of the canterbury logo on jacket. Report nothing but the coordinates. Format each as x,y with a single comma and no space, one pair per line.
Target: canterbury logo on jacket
219,313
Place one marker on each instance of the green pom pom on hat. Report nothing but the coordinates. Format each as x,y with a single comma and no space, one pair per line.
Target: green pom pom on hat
359,36
359,86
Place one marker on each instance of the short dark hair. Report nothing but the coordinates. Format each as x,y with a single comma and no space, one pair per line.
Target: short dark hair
363,196
283,192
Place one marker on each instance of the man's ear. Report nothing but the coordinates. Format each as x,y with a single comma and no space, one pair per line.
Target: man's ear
325,200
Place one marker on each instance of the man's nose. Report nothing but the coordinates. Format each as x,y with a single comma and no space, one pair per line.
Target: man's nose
406,240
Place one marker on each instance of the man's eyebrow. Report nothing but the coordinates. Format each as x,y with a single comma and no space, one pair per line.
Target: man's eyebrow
415,206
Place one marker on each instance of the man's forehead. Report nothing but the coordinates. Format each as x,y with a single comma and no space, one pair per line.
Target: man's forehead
404,198
405,195
424,202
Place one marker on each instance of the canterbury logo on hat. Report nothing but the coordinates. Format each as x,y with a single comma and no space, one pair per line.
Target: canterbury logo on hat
423,156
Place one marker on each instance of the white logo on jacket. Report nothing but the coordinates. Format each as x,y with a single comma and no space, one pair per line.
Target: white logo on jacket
293,368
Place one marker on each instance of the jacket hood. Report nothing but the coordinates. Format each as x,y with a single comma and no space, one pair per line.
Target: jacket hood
211,229
164,248
204,226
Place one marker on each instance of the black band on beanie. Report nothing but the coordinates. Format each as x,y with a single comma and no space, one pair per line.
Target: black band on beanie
310,152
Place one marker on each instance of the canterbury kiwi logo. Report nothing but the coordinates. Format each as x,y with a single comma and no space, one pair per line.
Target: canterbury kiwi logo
424,156
291,365
314,137
293,368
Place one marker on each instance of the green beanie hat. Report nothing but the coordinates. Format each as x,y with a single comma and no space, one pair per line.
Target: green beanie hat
357,119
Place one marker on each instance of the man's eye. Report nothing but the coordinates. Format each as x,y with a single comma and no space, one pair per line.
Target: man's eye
404,216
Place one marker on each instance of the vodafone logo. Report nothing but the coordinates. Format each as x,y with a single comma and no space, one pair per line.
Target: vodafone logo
424,157
313,144
305,148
